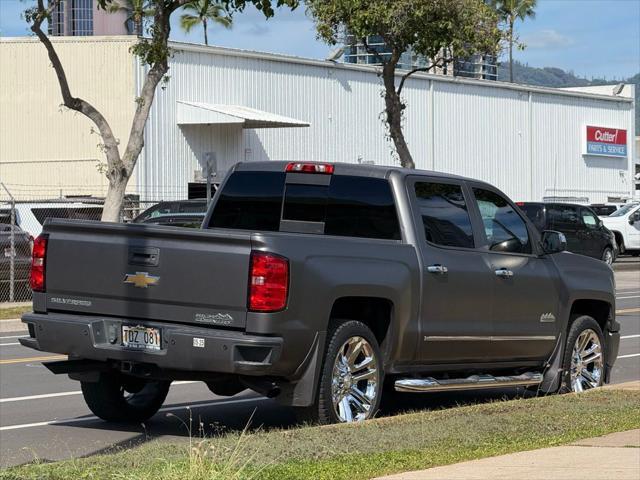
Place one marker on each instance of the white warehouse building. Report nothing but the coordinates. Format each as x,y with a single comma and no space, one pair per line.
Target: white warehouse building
226,106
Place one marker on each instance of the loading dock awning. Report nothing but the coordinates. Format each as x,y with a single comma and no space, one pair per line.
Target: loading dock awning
196,113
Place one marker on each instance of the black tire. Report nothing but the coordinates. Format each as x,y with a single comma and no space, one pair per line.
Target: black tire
115,398
579,325
322,411
635,254
607,256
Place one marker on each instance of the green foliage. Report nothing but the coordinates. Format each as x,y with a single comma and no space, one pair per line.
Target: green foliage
265,6
204,12
510,10
427,27
155,49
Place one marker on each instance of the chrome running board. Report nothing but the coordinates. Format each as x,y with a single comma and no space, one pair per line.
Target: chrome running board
470,383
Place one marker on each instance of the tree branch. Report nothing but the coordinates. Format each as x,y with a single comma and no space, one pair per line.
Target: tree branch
373,52
441,62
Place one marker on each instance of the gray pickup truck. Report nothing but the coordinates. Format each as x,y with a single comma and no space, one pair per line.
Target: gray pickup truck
322,285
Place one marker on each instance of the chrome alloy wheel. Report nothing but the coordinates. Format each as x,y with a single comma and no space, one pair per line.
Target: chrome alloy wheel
355,380
608,257
586,362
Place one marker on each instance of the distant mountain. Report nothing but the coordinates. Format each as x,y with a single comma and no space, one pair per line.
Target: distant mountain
558,78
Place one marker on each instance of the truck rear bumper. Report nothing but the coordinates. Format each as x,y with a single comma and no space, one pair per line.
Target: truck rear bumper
184,348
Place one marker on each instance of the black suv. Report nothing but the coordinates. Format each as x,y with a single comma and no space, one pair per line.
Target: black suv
585,232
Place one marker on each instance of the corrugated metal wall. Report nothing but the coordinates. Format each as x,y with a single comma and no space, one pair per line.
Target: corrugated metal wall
46,150
342,105
525,141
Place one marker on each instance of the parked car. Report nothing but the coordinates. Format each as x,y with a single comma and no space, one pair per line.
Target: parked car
625,225
585,232
178,207
21,263
317,284
31,216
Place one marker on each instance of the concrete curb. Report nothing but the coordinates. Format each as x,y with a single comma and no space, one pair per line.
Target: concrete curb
12,325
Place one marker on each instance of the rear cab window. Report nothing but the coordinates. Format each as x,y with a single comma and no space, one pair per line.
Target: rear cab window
340,205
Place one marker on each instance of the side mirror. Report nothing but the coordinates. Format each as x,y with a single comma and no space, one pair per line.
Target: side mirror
634,218
553,242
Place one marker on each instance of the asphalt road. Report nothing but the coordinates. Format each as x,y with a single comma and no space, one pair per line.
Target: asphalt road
43,416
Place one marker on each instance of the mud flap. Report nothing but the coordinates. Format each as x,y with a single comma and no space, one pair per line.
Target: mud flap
553,369
303,392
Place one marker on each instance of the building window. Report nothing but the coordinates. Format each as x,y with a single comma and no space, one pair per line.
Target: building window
82,17
56,24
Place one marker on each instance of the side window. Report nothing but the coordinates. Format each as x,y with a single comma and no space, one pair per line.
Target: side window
589,219
444,214
505,230
563,217
250,201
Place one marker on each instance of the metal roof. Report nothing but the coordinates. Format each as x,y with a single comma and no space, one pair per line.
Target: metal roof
197,113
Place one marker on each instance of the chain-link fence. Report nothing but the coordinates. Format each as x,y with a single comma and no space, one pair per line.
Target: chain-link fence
22,220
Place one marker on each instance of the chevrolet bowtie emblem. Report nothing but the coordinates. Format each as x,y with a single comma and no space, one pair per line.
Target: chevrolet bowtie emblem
141,279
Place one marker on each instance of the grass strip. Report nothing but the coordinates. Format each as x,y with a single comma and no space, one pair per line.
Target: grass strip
388,445
14,312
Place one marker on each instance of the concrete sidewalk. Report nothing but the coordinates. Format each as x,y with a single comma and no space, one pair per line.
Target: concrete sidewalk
615,456
612,457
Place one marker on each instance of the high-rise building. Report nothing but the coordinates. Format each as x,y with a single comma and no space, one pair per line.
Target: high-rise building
477,66
83,18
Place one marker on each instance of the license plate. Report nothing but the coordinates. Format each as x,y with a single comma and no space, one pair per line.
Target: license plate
141,337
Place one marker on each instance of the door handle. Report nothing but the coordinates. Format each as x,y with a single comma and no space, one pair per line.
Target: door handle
439,269
504,273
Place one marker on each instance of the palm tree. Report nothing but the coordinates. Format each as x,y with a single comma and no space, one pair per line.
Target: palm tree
203,12
510,11
136,10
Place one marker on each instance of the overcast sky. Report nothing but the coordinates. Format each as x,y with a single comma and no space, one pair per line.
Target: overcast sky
592,38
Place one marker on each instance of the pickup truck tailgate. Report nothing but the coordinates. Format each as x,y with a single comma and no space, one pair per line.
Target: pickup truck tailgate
148,272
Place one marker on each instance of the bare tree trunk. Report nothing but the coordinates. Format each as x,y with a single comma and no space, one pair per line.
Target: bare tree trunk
112,210
204,26
393,110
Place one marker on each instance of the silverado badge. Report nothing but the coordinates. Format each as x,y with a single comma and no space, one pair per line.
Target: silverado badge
141,279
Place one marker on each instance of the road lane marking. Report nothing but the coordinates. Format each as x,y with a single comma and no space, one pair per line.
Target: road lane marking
166,409
628,310
66,394
631,355
624,298
32,359
36,397
14,336
629,336
8,344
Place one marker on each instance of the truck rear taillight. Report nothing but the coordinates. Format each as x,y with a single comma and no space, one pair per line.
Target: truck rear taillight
322,168
38,257
268,282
